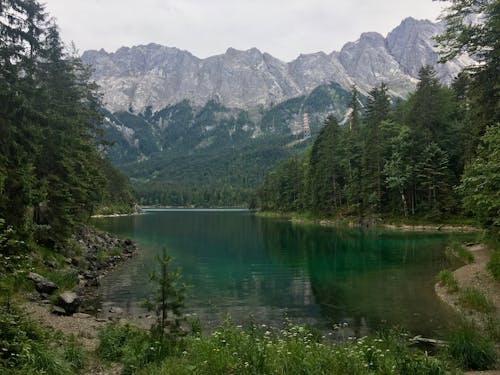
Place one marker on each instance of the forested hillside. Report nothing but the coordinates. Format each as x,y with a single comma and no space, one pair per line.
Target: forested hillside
212,155
434,155
52,176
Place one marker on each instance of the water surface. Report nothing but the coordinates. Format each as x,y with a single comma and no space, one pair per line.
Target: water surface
236,263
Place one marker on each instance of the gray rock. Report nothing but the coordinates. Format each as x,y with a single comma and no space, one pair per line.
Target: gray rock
50,263
69,301
33,296
82,315
57,310
42,284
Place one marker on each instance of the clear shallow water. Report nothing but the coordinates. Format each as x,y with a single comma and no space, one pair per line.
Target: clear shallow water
239,264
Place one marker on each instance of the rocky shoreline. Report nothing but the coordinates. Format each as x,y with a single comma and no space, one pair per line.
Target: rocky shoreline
94,254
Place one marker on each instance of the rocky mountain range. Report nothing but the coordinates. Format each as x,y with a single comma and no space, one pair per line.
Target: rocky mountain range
158,76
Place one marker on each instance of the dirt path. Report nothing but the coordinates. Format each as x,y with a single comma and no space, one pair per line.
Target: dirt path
474,275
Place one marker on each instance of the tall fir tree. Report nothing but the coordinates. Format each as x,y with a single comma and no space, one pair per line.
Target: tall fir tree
377,111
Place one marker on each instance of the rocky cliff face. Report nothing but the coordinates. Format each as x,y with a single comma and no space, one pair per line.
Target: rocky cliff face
159,76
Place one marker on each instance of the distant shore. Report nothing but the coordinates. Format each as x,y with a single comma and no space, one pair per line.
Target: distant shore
118,215
371,223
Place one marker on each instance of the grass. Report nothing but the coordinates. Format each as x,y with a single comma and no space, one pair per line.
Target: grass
66,279
470,348
447,279
103,254
26,348
253,349
456,251
131,346
474,299
494,264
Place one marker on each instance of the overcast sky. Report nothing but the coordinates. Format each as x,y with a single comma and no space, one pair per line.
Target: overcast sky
283,28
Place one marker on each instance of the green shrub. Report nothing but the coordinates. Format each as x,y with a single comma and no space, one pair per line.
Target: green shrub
447,279
474,299
470,348
494,265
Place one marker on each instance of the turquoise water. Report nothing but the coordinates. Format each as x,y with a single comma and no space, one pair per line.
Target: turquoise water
238,264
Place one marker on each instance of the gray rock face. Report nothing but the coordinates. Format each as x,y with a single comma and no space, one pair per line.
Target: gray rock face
42,284
369,63
412,45
157,76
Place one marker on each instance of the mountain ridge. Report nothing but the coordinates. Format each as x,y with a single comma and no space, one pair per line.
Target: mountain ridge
157,76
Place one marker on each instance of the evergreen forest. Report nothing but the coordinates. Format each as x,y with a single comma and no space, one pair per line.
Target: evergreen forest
433,156
53,175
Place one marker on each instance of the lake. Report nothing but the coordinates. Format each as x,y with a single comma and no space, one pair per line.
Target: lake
241,265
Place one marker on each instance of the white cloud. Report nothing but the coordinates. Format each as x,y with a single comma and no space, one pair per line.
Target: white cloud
208,27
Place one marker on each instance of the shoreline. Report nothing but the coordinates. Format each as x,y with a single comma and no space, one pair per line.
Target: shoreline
370,223
117,215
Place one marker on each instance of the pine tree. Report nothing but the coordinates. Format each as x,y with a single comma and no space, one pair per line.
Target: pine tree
325,172
352,155
167,300
433,177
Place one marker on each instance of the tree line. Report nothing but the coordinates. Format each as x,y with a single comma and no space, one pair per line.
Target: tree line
52,174
435,155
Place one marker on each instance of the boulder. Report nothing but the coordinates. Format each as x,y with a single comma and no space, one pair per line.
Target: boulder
69,301
42,285
116,310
